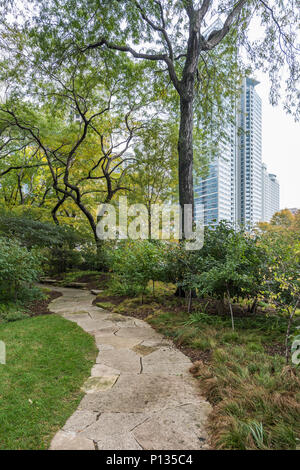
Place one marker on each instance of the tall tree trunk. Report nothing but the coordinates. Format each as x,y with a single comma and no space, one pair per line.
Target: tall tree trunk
254,305
230,308
185,153
190,301
221,306
149,219
99,244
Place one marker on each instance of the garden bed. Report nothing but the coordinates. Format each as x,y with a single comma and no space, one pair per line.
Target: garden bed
40,307
242,373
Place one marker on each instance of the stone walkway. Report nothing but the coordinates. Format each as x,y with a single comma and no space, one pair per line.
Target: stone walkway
140,394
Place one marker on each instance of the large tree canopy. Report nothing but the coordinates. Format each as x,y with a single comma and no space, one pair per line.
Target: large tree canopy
193,66
81,132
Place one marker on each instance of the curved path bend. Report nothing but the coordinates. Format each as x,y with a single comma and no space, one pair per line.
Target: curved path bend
140,394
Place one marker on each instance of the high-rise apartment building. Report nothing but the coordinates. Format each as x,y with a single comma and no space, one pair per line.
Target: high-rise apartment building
270,195
237,188
217,192
249,159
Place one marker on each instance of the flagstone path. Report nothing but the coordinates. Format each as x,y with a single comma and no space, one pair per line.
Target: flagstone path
140,394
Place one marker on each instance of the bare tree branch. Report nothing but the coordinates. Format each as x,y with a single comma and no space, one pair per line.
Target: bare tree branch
204,9
139,55
160,29
217,36
11,168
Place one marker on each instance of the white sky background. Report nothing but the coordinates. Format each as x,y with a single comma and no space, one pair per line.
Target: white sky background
280,136
280,146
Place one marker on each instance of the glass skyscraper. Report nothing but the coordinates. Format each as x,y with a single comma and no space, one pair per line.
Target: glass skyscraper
235,188
249,159
217,192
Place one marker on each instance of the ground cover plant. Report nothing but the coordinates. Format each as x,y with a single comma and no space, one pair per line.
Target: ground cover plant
243,373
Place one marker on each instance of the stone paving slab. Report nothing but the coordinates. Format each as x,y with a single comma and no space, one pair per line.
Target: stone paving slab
97,383
143,350
166,355
139,333
167,369
98,314
73,308
116,341
140,394
177,428
158,343
100,370
71,441
120,436
76,317
121,318
96,325
79,421
141,323
101,348
123,359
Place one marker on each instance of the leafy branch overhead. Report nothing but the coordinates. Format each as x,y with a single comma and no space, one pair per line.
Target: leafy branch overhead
177,43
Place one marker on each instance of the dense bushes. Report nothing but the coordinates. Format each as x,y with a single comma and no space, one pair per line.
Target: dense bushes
232,266
57,243
62,247
135,264
19,267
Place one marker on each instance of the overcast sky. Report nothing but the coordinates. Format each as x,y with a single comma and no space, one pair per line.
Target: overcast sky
280,138
281,146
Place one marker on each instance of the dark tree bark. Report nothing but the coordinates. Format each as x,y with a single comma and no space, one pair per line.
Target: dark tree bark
254,305
186,155
221,306
230,308
19,179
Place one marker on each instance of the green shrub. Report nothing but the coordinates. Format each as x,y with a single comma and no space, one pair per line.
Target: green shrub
121,286
19,268
135,263
61,245
15,316
35,233
10,312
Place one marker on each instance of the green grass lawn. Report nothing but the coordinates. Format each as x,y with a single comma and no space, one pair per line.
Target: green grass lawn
48,359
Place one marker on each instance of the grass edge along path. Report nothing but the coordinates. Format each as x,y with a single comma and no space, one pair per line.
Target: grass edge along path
48,359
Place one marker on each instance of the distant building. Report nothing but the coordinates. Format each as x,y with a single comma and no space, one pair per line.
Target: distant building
270,195
249,158
238,188
217,192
